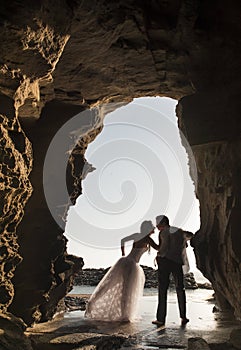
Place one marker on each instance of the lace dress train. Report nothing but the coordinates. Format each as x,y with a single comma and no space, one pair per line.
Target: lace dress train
116,298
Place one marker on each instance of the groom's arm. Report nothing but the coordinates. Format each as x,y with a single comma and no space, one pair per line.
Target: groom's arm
188,235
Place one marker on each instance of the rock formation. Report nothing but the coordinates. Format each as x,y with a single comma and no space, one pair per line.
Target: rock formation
59,58
16,164
91,277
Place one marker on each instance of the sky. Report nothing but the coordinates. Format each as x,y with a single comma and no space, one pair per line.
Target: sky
141,172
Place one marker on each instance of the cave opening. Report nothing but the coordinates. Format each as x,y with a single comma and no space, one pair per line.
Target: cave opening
141,170
55,66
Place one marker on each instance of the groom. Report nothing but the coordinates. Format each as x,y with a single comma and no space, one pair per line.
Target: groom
172,249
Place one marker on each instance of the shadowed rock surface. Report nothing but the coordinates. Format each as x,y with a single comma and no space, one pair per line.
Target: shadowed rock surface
218,332
59,58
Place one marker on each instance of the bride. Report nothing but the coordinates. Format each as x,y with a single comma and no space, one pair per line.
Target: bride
116,296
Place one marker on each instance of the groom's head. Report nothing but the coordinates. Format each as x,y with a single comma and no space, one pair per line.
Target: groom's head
162,221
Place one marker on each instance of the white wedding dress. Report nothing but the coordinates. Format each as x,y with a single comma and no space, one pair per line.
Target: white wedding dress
117,296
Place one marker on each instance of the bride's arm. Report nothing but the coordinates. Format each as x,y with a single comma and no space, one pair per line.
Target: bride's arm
122,248
153,244
126,239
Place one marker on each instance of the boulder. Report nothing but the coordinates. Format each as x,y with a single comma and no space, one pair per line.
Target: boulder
197,344
12,335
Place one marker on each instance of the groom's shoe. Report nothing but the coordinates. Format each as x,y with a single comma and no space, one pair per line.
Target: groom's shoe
184,322
125,320
158,323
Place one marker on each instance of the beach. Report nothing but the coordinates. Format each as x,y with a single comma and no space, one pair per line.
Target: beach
200,304
74,329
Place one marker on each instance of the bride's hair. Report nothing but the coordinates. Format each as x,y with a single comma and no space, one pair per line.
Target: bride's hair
145,229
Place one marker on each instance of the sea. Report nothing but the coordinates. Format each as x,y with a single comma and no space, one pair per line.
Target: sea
90,289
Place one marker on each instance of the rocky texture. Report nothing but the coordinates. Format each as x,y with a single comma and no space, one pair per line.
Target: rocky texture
140,335
74,302
77,340
218,241
11,333
205,285
104,42
221,346
218,162
16,164
190,282
235,338
79,53
197,344
46,267
201,344
91,277
210,120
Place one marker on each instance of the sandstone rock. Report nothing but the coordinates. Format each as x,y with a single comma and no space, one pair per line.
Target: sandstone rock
209,160
87,341
189,281
197,344
235,338
15,167
114,51
11,333
75,303
205,285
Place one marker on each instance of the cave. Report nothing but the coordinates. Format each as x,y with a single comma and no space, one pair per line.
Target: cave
65,58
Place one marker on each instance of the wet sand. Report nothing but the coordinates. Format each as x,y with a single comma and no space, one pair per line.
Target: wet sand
213,327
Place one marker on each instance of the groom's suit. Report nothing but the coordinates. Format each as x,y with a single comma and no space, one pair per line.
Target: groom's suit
170,260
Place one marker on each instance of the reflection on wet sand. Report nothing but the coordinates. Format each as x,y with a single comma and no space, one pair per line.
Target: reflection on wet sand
213,327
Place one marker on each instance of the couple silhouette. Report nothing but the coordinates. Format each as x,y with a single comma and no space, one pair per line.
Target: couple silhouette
117,296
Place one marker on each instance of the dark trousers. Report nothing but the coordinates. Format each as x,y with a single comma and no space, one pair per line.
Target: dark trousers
165,268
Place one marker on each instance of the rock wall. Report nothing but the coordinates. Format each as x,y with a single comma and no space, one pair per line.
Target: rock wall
218,242
16,164
46,268
61,57
216,147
